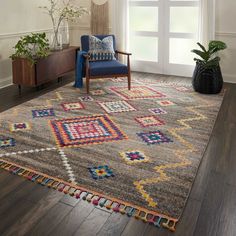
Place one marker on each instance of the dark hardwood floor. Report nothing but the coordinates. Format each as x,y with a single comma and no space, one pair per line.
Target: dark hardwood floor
30,209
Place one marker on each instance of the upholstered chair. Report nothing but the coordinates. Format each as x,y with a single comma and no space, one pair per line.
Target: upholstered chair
100,65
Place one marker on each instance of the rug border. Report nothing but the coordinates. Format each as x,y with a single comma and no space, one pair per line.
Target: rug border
204,151
92,196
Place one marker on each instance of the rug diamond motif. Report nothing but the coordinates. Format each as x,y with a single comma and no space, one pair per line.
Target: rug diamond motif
7,142
147,121
157,111
116,107
98,92
137,92
101,172
166,103
39,113
154,137
86,130
86,99
14,127
72,106
132,157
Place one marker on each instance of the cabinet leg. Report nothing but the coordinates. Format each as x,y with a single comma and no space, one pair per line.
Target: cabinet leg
19,89
59,79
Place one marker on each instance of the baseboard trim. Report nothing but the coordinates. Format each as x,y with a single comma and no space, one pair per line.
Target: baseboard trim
4,82
229,78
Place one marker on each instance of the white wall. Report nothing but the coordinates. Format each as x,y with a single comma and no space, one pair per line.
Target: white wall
226,31
16,19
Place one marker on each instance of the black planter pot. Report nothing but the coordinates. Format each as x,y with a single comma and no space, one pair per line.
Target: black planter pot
207,81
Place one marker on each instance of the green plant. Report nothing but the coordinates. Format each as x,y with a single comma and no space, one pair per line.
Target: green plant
32,47
209,58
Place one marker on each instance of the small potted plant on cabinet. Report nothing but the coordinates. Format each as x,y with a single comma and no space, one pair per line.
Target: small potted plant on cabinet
31,47
207,76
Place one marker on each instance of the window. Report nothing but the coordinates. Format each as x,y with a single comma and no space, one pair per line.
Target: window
162,34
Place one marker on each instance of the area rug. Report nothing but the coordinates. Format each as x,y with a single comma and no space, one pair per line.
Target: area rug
136,152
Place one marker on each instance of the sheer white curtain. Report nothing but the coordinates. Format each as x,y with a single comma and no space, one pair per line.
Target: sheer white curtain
120,23
207,24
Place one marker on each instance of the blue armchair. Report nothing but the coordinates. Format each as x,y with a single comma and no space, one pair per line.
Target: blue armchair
104,69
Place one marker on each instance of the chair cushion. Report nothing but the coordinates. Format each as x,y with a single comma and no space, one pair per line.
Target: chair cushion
104,68
101,50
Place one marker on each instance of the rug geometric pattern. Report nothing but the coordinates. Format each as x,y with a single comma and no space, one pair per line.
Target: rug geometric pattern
132,157
157,111
147,121
116,107
144,170
137,92
101,172
86,99
72,106
7,142
38,113
85,130
165,103
154,137
20,126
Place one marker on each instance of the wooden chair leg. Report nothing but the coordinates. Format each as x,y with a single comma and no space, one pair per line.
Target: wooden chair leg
129,73
129,81
87,84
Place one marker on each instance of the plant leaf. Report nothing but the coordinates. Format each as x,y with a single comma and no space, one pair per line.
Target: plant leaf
203,55
215,46
202,47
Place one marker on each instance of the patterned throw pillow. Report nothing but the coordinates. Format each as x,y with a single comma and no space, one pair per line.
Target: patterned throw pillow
101,50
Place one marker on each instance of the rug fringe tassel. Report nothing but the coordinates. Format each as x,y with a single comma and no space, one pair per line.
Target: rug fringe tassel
156,219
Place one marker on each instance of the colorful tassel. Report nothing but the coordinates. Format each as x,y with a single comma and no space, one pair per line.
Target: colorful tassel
102,204
116,208
131,212
77,195
61,188
85,196
109,206
158,222
144,218
168,226
96,201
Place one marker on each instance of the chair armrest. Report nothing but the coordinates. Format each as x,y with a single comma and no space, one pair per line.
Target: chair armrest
86,56
124,53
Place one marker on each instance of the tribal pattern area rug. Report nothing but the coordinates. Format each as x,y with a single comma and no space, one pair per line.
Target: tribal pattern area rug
136,152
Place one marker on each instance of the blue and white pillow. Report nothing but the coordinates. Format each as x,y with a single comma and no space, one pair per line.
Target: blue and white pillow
101,50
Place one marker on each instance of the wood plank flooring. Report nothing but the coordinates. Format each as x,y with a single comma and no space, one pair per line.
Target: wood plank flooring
29,209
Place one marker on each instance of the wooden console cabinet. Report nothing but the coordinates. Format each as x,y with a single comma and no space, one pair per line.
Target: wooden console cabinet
54,66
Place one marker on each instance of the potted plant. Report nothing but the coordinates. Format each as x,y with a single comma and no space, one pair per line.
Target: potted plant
31,47
60,12
207,76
